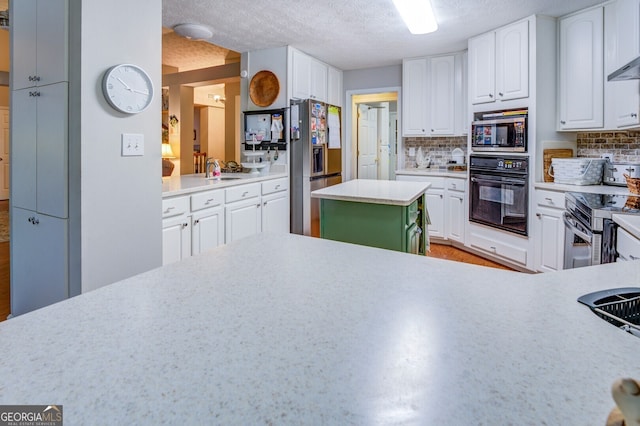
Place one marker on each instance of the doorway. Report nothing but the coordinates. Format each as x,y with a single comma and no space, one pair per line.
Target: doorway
373,119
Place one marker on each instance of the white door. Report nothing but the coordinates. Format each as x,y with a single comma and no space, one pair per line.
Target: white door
4,153
367,142
384,148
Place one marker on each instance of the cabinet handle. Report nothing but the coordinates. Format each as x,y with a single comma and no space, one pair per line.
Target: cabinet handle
209,200
538,215
195,222
563,122
453,185
634,115
34,78
244,194
632,257
34,94
490,95
277,186
440,195
493,248
34,221
169,209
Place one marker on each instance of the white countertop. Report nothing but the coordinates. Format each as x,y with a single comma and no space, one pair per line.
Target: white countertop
431,172
187,184
330,333
629,222
390,192
592,189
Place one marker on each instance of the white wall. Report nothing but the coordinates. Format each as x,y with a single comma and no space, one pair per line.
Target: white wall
274,60
371,78
116,205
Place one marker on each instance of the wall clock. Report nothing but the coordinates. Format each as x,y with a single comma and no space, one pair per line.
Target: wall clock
127,88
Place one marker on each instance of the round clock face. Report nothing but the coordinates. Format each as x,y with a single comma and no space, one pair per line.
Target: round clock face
127,88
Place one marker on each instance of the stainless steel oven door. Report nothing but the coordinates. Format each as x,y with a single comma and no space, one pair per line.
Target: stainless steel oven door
581,246
500,201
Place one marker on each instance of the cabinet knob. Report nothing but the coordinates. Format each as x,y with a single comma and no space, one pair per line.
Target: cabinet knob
538,215
431,130
563,122
184,225
195,222
634,115
500,93
490,95
33,220
440,195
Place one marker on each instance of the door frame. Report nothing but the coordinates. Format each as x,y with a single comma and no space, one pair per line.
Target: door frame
354,97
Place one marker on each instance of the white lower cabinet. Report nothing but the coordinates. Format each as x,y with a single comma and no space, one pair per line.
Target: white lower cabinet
435,208
497,244
176,239
207,229
549,231
275,206
456,208
42,241
628,246
242,219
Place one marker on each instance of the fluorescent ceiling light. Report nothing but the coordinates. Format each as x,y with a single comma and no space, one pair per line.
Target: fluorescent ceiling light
417,15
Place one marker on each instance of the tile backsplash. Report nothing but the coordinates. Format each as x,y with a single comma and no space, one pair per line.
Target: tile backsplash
437,148
624,145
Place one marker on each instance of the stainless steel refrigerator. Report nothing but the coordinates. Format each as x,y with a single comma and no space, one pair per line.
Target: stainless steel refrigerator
316,160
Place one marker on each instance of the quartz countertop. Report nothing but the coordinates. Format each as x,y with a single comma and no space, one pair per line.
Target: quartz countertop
390,192
592,189
432,172
330,333
629,222
187,184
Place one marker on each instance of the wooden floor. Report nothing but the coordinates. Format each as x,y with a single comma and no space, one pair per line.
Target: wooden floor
437,250
442,251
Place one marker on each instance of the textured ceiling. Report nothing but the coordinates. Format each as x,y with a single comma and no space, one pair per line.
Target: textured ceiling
352,34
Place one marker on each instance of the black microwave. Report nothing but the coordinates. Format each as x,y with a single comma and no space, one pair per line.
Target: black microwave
500,131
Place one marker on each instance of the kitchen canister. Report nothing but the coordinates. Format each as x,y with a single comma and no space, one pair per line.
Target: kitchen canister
457,155
577,171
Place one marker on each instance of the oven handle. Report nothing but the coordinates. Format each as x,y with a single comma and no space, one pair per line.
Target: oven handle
500,181
573,228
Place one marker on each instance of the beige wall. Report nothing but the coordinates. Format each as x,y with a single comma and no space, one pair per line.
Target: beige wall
4,65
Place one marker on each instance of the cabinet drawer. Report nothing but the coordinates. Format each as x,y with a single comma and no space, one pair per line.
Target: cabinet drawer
551,199
206,199
275,185
456,184
175,206
497,248
628,246
242,192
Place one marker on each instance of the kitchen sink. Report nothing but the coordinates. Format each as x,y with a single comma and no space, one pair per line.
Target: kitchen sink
224,178
618,306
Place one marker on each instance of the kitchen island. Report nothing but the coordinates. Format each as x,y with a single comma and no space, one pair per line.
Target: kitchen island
376,213
331,333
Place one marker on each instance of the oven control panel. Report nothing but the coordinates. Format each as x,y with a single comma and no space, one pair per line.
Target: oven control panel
497,164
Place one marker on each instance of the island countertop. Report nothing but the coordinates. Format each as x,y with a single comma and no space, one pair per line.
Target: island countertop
390,192
330,333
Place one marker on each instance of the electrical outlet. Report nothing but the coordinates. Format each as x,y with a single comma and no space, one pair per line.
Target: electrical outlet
132,144
608,156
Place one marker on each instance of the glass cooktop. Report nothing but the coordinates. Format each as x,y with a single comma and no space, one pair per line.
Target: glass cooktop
628,204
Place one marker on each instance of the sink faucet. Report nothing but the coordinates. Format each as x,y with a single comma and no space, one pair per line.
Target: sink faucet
210,162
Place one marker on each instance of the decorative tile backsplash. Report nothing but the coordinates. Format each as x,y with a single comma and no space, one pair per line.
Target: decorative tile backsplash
437,148
624,145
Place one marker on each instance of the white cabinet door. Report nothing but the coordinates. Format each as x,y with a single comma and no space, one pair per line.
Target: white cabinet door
39,122
455,209
40,32
39,271
550,239
242,218
625,27
275,213
581,79
442,95
628,246
512,61
482,68
435,208
301,65
334,87
176,239
318,89
414,97
207,230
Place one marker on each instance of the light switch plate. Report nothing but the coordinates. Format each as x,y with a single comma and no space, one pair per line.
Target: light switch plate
132,144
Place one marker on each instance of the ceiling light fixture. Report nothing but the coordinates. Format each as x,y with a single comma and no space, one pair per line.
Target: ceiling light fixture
417,15
193,31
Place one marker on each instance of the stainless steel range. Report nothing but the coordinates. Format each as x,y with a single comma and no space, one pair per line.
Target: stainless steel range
590,233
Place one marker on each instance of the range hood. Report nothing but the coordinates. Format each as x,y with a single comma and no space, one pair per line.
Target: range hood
630,71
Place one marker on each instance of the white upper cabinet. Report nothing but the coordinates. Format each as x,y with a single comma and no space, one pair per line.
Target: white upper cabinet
318,78
499,64
301,65
414,97
442,95
622,42
334,86
512,61
42,42
581,77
